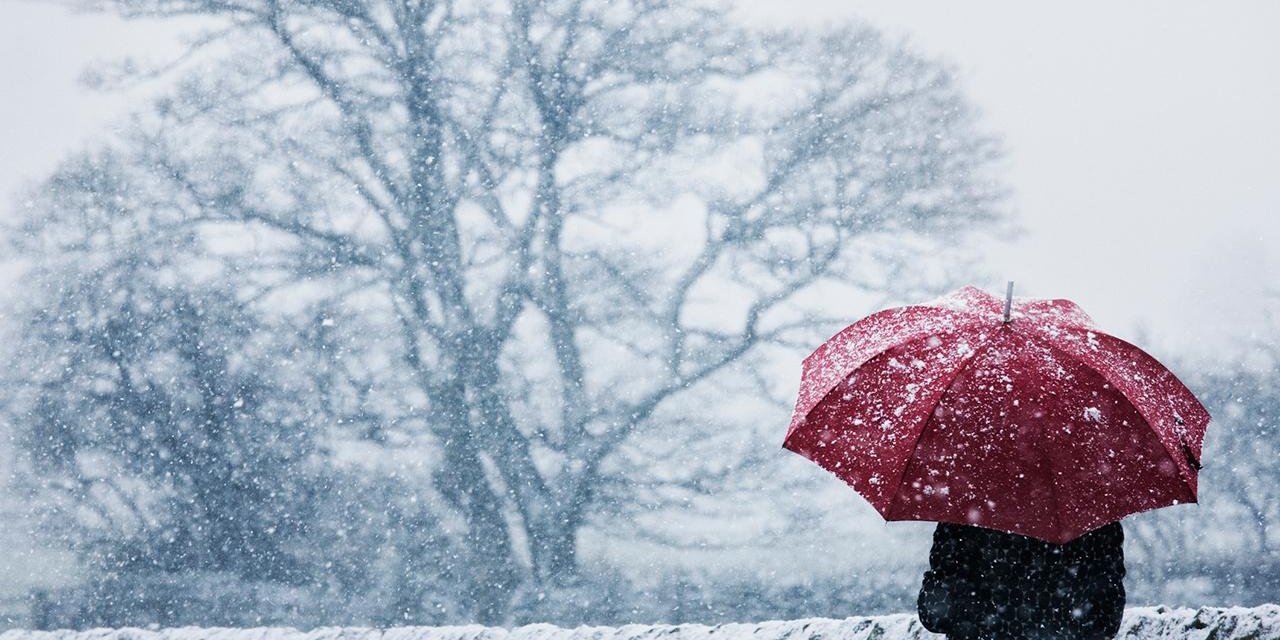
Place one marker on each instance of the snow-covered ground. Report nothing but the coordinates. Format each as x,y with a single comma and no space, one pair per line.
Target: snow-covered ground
1147,623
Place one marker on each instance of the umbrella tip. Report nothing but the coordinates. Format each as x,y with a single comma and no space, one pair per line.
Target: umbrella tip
1008,301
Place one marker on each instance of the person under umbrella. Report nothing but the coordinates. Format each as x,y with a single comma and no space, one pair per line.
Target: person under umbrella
1024,431
987,584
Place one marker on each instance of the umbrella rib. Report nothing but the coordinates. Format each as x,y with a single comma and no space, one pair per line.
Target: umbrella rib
915,444
1048,345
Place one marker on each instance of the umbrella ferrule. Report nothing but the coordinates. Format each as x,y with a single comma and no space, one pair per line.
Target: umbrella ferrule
1008,302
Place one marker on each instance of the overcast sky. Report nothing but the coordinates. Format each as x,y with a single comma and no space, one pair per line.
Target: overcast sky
1143,139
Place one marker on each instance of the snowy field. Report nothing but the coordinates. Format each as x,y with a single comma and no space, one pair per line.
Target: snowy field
1148,623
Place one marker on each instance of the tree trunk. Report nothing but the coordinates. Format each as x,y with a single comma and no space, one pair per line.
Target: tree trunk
554,550
490,570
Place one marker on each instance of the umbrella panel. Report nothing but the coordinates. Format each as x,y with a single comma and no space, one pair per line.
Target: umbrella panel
1030,440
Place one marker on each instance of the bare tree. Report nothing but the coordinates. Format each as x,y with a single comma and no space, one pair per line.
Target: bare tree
511,218
166,435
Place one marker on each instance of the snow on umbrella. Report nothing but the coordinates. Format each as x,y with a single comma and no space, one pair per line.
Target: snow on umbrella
1021,417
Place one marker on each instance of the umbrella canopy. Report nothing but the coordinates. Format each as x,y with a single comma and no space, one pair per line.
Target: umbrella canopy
1029,420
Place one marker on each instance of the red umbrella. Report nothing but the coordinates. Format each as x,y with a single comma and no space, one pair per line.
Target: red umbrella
1019,417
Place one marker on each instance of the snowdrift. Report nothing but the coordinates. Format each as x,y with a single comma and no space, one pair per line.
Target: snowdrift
1147,623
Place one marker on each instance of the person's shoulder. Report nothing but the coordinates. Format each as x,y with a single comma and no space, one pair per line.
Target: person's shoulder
1108,534
1110,530
954,530
971,536
1114,531
952,534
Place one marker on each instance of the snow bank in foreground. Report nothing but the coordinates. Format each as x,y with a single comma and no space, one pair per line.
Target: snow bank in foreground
1258,623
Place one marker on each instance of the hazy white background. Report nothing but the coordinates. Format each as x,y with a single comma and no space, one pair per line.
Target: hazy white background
1143,137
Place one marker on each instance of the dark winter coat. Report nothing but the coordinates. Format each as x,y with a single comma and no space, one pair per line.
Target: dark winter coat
991,585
